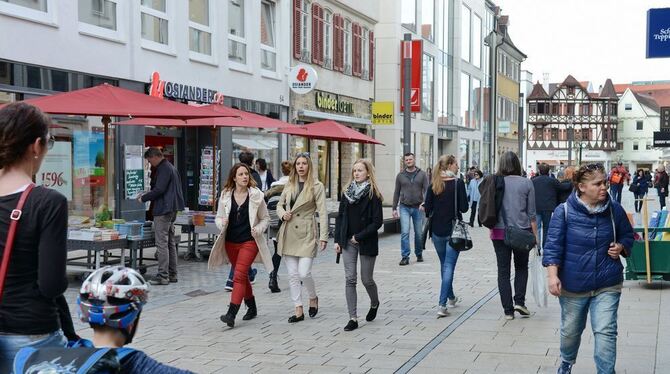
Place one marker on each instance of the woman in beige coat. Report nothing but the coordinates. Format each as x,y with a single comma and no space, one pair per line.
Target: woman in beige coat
297,239
242,218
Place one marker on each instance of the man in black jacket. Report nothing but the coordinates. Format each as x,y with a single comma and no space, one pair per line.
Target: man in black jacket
168,199
247,158
547,189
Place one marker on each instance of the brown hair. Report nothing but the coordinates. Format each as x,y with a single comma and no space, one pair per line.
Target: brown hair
442,164
230,181
585,173
286,167
569,173
20,125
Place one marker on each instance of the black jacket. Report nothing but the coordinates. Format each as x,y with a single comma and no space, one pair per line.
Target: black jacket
166,193
442,208
547,190
257,178
564,193
369,221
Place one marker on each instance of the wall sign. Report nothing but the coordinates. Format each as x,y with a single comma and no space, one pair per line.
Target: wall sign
161,89
302,79
382,113
413,50
661,139
56,169
332,102
658,33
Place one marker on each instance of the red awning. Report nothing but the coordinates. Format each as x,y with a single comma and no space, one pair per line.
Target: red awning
329,130
108,100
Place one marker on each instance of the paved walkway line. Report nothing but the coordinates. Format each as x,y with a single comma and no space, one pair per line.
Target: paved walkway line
442,336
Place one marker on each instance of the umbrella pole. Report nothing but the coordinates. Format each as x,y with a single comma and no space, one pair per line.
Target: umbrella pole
105,122
215,170
645,220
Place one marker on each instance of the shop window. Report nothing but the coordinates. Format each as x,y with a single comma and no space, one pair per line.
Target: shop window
237,44
427,94
465,33
477,41
428,19
100,13
408,14
328,39
200,27
268,43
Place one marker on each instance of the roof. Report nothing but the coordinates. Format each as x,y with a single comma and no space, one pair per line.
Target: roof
503,28
570,81
538,92
647,101
608,90
621,87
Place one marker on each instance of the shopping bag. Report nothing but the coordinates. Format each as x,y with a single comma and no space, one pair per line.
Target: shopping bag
538,278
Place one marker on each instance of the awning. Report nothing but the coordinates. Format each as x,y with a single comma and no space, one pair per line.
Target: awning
550,162
251,144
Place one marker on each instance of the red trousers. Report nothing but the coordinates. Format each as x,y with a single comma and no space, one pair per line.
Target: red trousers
241,256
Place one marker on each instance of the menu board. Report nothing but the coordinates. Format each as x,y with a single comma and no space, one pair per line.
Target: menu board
134,170
207,172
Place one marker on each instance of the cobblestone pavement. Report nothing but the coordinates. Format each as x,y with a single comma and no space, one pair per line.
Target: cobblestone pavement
181,324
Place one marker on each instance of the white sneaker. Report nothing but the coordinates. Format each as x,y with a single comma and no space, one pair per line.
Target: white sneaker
452,302
442,311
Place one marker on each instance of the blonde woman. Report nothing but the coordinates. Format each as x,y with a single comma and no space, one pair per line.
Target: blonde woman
242,218
298,239
359,218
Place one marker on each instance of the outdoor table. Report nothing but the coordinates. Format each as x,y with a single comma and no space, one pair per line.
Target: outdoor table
189,229
209,229
95,247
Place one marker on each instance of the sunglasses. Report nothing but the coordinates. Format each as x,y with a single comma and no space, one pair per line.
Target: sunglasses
302,154
595,167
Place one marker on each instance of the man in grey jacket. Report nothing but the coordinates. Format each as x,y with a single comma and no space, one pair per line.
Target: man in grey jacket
411,185
168,200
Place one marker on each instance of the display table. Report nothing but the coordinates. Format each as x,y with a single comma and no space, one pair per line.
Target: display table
93,250
208,229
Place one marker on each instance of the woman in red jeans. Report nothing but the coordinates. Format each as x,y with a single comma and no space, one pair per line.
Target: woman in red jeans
242,218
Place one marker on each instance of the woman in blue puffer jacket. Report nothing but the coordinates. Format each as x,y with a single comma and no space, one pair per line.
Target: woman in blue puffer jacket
587,235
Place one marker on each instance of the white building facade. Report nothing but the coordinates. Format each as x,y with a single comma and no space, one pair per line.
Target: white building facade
639,117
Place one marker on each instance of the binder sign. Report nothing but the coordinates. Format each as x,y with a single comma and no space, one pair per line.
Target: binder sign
413,49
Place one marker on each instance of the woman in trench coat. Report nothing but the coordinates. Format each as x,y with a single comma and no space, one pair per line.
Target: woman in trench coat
297,239
242,218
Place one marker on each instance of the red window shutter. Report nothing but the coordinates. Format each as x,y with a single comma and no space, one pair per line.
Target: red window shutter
297,27
315,33
372,55
338,43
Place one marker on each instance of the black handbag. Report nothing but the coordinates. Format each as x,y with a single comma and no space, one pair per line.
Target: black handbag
517,238
460,239
634,188
427,229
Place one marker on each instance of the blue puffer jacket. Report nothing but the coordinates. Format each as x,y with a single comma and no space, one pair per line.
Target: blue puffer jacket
580,247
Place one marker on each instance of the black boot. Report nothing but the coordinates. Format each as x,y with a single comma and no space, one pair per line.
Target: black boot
273,285
229,317
252,312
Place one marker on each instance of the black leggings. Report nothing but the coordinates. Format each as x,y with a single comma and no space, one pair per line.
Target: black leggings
276,259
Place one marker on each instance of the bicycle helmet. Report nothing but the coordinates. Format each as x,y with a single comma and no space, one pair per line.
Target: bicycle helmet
113,296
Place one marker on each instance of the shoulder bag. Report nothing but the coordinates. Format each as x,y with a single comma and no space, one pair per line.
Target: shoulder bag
460,239
15,216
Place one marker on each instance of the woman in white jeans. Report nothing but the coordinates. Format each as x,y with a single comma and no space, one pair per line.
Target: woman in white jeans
297,239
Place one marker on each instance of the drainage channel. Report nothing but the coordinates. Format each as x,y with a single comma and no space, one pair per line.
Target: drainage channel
442,336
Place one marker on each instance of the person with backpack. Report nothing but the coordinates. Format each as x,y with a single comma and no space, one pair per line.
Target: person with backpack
35,278
618,176
517,210
587,237
358,220
272,197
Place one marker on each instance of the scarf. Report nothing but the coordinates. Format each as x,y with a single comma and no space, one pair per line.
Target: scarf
447,174
357,190
601,207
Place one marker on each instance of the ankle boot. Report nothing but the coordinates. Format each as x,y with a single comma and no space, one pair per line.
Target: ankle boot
273,285
229,317
252,312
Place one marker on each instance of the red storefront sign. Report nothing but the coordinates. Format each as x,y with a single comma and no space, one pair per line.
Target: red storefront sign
413,49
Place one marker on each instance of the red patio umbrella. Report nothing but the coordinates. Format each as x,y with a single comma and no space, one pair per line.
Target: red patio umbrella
329,130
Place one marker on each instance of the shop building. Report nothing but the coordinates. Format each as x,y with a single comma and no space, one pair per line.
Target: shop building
336,39
234,51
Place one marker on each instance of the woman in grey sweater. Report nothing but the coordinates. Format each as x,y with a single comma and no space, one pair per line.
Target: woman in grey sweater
518,210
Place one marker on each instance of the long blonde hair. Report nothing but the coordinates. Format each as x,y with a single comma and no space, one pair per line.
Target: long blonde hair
292,186
374,188
442,165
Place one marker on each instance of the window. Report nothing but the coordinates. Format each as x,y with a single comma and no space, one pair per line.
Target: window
365,54
237,44
268,43
465,34
347,47
328,39
408,14
639,125
155,25
619,146
648,146
477,41
428,19
427,84
42,11
305,22
629,106
586,109
101,13
636,146
200,30
476,102
40,5
465,100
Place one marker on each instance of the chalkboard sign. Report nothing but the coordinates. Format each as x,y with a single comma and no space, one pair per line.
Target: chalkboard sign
134,183
134,170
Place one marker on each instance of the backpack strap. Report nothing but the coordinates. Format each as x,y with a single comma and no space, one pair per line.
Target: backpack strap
124,352
613,224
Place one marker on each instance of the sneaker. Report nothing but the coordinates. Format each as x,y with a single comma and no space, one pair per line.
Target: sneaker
442,312
159,281
404,261
452,302
419,258
351,325
229,285
565,368
252,276
525,313
509,317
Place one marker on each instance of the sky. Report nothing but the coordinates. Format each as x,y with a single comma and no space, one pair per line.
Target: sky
591,39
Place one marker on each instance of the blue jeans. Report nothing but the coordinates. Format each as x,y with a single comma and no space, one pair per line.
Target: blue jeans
232,272
10,344
603,309
543,218
407,213
615,192
448,258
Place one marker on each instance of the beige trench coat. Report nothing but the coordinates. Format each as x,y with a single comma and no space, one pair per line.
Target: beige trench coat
298,237
258,218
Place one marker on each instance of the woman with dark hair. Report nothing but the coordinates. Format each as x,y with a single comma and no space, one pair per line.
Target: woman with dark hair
641,188
265,174
587,236
242,218
517,210
35,282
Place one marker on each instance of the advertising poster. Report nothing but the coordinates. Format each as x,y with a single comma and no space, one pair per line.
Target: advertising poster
89,161
56,169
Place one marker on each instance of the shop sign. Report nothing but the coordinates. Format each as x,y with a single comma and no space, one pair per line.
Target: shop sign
382,113
665,118
161,89
302,79
661,139
332,102
504,127
658,33
413,50
56,169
